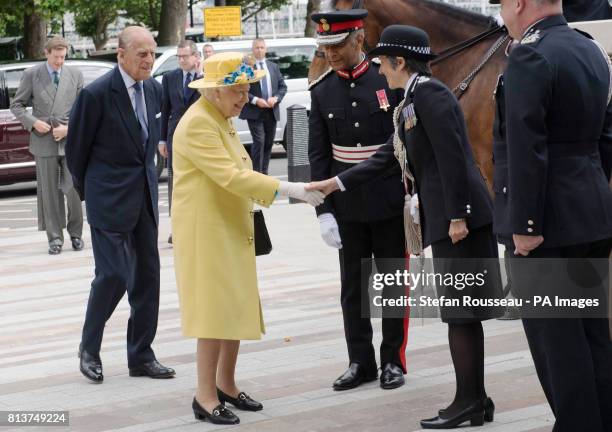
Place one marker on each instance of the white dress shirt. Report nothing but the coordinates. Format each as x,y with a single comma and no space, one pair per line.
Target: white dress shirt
129,82
258,65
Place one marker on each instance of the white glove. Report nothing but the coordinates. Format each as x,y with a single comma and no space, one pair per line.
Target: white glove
298,191
414,208
329,230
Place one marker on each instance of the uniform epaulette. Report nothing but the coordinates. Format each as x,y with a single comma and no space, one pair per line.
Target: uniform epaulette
422,79
321,78
376,60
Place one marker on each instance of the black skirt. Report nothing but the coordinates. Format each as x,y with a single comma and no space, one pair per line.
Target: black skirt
477,254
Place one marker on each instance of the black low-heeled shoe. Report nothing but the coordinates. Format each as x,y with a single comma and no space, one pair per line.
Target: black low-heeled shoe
219,415
474,414
243,401
489,409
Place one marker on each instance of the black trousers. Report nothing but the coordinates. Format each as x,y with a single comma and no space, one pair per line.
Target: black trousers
262,131
381,239
125,261
573,356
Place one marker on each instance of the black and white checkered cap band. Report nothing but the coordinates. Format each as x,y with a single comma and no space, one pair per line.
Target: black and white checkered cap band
417,49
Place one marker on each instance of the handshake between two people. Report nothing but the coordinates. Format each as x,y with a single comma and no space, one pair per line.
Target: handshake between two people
314,194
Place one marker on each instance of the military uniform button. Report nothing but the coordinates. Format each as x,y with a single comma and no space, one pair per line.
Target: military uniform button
354,104
504,189
356,124
330,115
358,144
529,230
529,222
352,85
468,211
468,206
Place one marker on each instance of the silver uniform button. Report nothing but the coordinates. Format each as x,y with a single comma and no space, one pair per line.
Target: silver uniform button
504,189
468,206
330,115
529,230
352,85
356,124
468,211
529,222
354,104
358,144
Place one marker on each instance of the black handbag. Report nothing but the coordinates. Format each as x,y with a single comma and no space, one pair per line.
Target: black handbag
263,245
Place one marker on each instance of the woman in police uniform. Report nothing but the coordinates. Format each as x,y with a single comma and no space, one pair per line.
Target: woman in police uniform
455,209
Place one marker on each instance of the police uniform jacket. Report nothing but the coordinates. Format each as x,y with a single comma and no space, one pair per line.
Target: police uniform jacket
346,112
553,139
447,180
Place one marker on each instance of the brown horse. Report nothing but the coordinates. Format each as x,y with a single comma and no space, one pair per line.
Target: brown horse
449,28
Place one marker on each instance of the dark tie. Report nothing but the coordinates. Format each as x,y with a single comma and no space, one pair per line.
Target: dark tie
265,94
55,78
186,87
141,113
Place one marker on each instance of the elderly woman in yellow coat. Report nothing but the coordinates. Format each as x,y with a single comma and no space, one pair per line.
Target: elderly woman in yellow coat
212,225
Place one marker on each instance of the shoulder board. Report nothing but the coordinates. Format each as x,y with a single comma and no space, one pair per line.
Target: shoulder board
375,60
422,79
321,78
583,33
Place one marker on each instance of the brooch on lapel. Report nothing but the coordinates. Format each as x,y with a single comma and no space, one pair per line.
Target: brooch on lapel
531,37
382,100
409,116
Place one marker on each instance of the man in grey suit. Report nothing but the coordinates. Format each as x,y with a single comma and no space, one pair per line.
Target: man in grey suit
263,112
51,88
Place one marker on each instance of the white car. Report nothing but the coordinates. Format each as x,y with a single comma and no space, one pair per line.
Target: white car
293,57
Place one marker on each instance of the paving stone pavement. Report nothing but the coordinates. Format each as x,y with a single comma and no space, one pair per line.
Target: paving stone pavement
42,305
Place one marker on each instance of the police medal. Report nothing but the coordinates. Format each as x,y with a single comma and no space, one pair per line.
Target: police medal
382,99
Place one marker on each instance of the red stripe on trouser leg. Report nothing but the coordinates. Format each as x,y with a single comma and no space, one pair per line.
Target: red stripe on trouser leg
402,353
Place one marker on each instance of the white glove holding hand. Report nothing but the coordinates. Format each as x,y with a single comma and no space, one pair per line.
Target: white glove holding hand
414,208
298,191
329,230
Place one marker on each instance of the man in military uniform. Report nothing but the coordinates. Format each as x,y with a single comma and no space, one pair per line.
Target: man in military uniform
351,117
552,154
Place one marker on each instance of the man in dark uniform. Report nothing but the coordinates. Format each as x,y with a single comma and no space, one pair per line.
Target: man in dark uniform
351,117
552,154
586,10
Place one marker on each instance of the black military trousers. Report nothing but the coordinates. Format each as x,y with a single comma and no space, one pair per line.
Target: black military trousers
573,356
381,239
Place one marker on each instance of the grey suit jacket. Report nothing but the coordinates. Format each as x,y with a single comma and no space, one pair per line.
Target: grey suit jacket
48,104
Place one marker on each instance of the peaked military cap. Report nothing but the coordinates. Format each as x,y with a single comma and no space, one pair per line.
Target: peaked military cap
335,26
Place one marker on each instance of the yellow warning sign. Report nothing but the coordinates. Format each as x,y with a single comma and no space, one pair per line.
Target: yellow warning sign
222,21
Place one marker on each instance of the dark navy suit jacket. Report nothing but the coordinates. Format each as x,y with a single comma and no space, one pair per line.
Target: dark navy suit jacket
279,89
110,167
174,104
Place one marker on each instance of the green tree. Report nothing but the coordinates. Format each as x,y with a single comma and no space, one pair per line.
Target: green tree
31,18
93,18
144,12
250,8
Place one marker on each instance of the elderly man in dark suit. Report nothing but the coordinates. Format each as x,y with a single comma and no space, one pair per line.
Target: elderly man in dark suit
552,148
112,140
51,88
262,112
177,96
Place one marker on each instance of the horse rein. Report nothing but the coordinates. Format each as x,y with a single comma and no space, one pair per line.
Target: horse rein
461,46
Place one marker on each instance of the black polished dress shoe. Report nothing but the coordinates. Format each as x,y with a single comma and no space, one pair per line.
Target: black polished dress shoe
153,369
243,401
77,243
219,415
90,366
489,409
392,376
473,413
353,377
55,249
